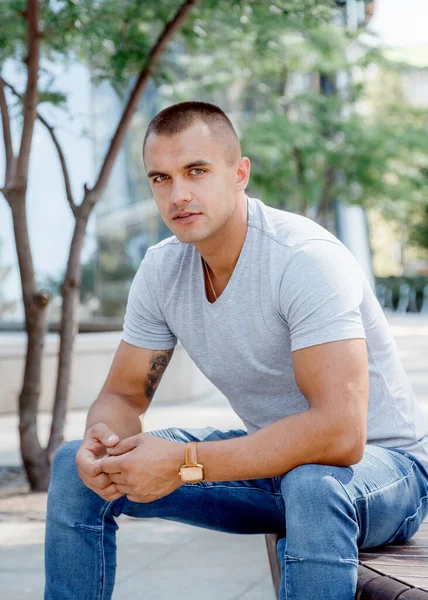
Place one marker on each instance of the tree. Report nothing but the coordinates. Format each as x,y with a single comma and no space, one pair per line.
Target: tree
5,306
312,138
311,148
58,29
419,230
125,45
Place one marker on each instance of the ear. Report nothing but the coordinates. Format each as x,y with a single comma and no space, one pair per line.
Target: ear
242,174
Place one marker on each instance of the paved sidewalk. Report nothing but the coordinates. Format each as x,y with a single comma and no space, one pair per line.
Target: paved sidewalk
154,555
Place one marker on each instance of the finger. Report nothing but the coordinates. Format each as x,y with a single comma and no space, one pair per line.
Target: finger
94,482
115,496
87,463
138,499
123,489
106,493
125,445
101,481
117,478
110,490
109,497
113,464
100,432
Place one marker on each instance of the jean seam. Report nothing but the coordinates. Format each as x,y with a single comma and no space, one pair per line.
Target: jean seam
408,519
352,561
103,566
280,503
235,487
103,562
388,485
353,501
420,505
89,527
290,559
366,496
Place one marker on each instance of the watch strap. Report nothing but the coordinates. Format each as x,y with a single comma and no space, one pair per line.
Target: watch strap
191,454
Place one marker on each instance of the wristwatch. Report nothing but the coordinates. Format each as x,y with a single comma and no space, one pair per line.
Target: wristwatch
191,471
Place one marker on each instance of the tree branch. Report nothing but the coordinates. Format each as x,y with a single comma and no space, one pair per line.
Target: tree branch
61,157
57,146
31,93
7,137
300,172
325,192
167,34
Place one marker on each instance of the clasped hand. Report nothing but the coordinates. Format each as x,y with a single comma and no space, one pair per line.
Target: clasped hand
143,467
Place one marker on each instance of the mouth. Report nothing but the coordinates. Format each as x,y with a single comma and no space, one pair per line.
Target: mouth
185,217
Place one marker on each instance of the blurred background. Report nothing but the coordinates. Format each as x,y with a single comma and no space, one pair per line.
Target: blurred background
330,103
330,100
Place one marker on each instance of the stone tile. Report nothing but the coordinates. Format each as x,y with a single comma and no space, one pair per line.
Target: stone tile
263,590
22,585
215,565
22,560
143,543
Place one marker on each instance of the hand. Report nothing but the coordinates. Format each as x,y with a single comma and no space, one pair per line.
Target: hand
144,467
89,458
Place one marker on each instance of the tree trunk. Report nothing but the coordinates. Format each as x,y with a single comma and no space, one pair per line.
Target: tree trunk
403,247
69,322
300,175
71,285
34,457
325,196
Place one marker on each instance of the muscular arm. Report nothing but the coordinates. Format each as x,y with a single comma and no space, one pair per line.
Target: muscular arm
334,379
129,388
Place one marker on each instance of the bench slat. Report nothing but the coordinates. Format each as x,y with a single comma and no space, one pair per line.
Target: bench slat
381,588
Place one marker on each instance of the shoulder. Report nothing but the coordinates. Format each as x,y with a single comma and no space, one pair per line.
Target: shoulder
286,229
168,250
298,242
167,260
168,246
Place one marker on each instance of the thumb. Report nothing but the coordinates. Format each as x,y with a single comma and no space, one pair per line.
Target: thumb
104,434
125,445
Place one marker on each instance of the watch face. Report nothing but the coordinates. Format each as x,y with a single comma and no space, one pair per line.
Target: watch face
190,474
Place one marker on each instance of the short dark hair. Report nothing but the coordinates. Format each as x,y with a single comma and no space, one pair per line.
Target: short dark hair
178,117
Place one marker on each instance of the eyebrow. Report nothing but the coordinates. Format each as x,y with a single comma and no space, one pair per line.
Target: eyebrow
191,165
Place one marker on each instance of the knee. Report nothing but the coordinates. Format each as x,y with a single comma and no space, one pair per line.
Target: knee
65,456
64,468
70,501
313,488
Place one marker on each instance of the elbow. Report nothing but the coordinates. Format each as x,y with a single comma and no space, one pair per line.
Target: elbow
353,456
352,447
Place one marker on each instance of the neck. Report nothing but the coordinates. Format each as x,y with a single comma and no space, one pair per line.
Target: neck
222,253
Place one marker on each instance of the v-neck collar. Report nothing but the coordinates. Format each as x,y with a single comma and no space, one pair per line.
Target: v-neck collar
234,272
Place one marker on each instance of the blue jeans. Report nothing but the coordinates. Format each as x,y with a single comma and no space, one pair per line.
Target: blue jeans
323,515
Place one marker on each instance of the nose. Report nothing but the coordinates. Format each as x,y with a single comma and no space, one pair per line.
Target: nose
179,191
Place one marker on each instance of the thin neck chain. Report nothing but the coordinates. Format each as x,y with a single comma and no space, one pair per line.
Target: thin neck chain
206,266
209,279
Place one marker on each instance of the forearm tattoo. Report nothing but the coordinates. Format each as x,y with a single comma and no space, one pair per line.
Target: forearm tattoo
157,365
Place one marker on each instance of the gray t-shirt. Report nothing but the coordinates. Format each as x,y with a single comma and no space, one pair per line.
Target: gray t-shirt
295,285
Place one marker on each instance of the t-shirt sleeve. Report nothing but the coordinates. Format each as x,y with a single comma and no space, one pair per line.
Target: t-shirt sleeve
320,295
144,324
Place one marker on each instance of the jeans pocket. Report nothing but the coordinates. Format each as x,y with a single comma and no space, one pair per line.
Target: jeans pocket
410,525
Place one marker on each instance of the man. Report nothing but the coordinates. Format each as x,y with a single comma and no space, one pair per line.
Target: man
278,315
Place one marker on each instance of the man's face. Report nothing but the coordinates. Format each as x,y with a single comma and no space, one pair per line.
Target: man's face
192,184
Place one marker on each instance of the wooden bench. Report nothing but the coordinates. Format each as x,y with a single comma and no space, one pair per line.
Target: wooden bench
385,573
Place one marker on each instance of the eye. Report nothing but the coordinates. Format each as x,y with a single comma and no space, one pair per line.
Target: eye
159,178
199,171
